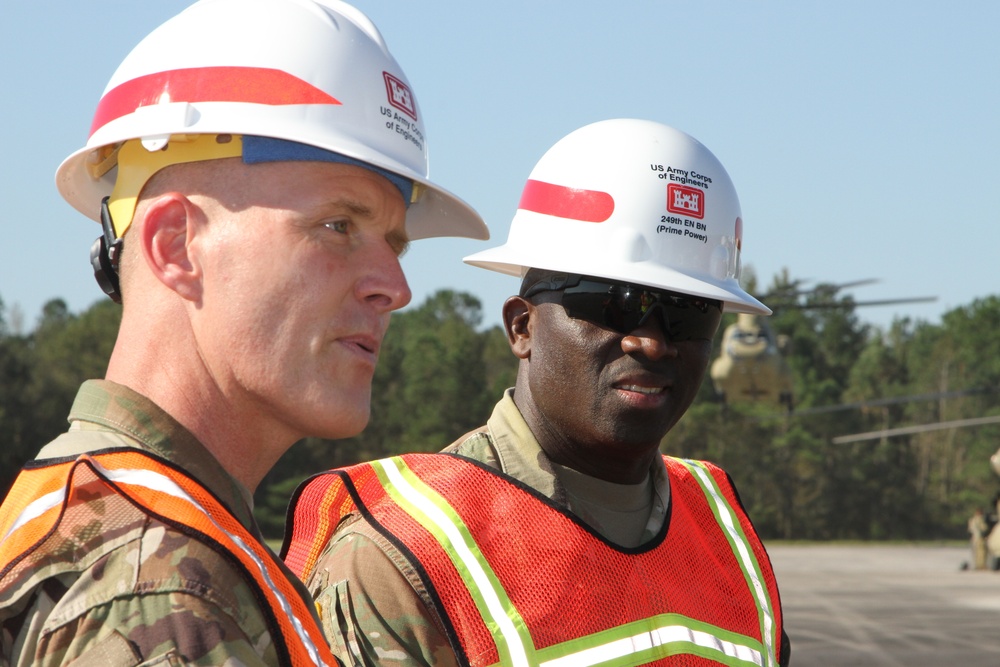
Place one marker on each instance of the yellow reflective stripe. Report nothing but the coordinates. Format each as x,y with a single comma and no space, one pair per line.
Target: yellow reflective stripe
436,515
733,531
653,639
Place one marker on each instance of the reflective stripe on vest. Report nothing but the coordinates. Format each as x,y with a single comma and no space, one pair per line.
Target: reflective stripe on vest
741,549
38,499
626,645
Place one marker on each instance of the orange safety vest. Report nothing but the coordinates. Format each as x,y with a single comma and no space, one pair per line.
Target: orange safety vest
46,493
520,582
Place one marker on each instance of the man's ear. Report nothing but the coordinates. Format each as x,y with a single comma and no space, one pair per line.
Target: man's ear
517,313
169,223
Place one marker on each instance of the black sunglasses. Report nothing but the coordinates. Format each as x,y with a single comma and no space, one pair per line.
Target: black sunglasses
623,307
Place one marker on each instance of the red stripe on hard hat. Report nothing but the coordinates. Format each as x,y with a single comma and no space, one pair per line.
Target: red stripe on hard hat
564,202
257,85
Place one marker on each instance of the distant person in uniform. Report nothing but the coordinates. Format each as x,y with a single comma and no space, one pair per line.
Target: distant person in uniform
557,533
993,537
977,536
254,206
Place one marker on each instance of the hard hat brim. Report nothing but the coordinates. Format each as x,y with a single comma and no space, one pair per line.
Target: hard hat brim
515,261
436,213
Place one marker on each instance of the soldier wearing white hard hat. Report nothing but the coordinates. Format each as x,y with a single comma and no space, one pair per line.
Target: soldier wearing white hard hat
258,167
557,533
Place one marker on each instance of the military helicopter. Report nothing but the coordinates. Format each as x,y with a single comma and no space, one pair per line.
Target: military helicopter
751,366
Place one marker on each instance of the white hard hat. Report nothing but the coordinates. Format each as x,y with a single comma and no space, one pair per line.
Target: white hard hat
315,73
630,200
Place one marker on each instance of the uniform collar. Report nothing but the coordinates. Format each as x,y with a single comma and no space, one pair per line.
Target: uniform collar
102,405
521,457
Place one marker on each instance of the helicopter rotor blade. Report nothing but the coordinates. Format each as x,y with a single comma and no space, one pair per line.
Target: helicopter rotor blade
910,430
894,400
795,288
871,303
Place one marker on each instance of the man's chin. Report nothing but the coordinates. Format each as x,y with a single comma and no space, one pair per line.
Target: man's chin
347,426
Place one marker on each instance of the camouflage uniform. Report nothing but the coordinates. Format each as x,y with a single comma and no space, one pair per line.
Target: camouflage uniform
373,605
147,594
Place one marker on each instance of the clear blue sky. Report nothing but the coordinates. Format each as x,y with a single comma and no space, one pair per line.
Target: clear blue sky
863,137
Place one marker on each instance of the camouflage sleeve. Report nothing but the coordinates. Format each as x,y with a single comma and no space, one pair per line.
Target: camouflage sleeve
164,599
162,629
370,604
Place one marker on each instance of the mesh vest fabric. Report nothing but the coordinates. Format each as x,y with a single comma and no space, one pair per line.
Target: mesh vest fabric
47,496
552,585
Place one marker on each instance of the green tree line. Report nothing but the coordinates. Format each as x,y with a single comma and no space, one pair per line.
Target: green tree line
440,372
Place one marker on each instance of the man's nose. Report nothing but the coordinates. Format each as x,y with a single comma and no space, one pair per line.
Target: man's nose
650,337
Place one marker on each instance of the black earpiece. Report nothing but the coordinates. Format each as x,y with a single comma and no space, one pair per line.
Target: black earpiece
105,254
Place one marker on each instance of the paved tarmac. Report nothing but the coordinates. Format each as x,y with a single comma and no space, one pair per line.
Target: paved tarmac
897,605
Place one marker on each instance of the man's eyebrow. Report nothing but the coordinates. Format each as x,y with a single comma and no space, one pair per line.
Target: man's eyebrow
399,241
352,207
339,203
